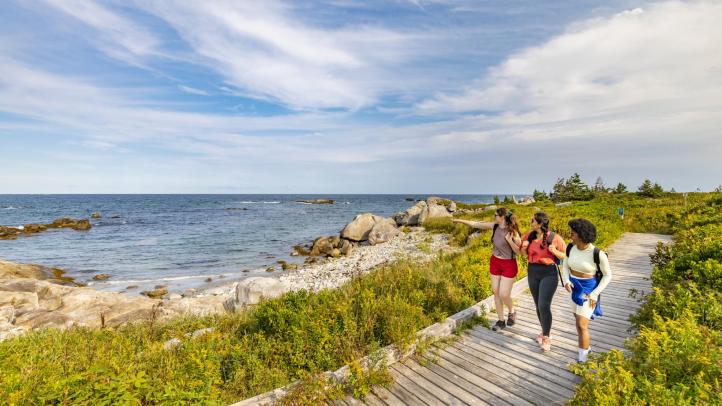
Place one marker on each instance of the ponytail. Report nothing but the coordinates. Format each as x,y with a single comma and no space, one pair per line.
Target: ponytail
543,220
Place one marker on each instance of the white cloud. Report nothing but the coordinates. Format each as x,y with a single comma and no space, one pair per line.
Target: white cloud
640,73
266,52
122,38
193,90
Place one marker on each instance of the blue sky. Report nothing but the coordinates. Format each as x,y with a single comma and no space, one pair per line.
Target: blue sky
357,97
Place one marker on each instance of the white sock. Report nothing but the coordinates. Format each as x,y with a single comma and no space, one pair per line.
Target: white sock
583,354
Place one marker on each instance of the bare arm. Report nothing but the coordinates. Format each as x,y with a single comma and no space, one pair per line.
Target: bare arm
482,225
524,250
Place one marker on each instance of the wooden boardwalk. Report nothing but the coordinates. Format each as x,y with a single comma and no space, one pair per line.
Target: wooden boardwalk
508,368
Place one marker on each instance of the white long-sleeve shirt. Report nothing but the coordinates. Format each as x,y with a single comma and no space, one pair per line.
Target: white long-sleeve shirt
583,261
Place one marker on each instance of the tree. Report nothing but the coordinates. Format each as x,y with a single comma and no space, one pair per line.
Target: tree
718,189
621,188
571,189
539,196
496,200
648,189
508,200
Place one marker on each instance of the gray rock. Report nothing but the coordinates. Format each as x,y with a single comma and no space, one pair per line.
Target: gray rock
451,207
360,227
201,332
433,211
172,344
174,296
383,231
410,217
7,314
189,293
252,290
564,204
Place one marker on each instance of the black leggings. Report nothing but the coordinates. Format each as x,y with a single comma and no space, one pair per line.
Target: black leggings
543,284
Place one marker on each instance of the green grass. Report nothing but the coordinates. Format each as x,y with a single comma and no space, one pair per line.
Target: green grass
297,336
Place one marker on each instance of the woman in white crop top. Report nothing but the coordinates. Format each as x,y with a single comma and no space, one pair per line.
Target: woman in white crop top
578,275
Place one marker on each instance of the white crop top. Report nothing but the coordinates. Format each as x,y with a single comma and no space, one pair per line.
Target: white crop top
583,261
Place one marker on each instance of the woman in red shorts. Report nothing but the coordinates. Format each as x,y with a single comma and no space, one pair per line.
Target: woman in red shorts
506,239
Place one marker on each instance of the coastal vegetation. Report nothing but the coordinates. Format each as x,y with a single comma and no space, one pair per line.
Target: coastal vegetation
677,356
298,335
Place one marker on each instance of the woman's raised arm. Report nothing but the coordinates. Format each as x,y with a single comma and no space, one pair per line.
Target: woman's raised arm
482,225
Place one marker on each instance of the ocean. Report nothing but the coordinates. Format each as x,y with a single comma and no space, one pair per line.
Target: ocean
181,240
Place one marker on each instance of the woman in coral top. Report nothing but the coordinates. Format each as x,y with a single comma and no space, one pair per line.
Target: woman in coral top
543,248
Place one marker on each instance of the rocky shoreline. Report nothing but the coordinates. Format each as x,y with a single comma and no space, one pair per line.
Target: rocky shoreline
33,296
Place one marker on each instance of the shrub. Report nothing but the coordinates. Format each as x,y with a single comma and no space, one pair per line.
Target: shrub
674,361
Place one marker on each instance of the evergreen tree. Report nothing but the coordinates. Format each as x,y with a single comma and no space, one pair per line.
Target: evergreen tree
496,200
649,189
621,188
540,196
571,189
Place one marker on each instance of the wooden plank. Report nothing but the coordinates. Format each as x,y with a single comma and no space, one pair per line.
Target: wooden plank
604,328
558,342
421,387
522,349
523,365
389,398
517,383
564,311
449,383
402,393
570,333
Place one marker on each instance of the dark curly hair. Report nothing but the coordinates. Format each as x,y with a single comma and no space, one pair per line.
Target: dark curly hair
584,229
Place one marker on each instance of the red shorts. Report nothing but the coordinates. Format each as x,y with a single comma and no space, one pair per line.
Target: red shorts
504,267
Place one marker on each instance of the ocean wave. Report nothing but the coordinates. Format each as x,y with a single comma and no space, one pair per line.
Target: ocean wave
220,276
153,280
252,202
10,208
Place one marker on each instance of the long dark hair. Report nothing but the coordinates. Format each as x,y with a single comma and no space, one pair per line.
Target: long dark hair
510,219
543,220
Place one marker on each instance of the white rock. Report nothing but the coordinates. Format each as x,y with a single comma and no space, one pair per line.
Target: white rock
201,332
252,290
171,344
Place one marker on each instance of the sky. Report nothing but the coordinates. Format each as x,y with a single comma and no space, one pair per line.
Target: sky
338,96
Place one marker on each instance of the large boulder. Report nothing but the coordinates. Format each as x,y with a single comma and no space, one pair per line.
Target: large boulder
252,290
451,207
527,200
317,201
433,211
383,231
436,200
360,228
410,217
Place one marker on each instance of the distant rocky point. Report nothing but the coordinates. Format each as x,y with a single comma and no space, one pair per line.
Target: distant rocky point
10,232
317,201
